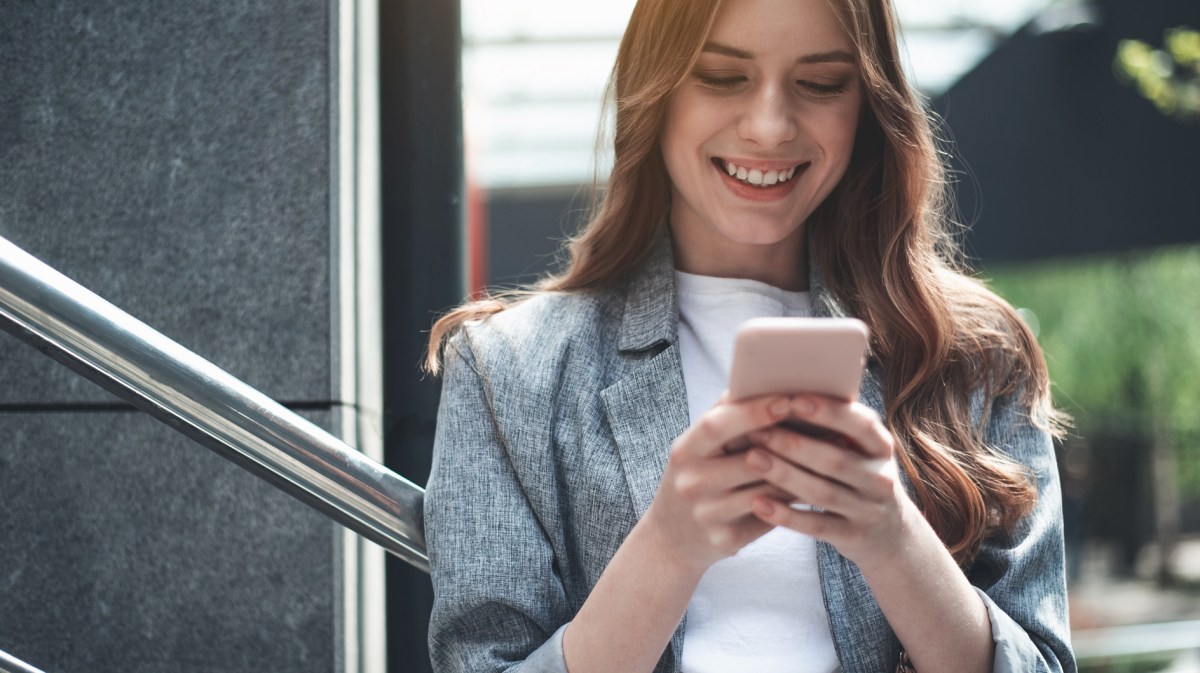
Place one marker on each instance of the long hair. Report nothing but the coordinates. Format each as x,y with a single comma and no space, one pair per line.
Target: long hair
884,244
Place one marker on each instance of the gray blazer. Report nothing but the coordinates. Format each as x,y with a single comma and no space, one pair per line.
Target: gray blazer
555,423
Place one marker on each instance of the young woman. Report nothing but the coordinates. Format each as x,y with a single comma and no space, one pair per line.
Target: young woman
582,513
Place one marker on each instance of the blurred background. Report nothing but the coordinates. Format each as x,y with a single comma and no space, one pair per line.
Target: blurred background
293,189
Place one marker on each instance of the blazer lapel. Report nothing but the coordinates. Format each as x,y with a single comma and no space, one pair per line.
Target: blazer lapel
647,410
647,406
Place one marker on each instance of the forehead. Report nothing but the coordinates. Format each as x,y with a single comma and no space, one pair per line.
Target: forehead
790,27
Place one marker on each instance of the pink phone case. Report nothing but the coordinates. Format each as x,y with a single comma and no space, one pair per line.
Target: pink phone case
782,356
785,356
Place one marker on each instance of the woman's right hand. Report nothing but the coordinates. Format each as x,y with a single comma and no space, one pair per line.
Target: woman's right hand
702,511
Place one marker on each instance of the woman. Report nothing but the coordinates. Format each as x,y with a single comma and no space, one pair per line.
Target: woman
582,513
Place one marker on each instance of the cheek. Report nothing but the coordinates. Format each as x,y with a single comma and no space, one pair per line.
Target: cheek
670,139
840,133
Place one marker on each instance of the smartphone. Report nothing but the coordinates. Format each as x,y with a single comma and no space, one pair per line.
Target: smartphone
787,356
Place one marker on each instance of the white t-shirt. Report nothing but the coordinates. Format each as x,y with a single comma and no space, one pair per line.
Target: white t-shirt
762,609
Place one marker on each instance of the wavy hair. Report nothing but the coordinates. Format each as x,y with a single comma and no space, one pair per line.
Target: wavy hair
887,251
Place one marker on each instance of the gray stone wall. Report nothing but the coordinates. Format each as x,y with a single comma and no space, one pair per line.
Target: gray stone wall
174,157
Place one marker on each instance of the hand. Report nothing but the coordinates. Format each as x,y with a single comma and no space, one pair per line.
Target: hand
702,511
861,507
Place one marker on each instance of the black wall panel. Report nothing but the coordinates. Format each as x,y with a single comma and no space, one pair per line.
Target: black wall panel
175,157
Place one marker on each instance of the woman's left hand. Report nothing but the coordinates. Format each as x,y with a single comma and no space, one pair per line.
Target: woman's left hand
854,482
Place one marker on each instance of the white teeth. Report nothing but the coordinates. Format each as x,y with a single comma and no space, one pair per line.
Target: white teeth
758,177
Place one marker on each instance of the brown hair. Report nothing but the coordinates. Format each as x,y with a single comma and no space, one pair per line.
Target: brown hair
884,244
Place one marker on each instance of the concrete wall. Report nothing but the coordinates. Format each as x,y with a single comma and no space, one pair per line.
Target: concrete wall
176,158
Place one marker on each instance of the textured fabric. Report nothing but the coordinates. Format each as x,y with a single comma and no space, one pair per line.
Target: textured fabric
556,420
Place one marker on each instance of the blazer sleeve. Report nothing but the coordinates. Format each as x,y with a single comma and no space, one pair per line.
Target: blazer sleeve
498,602
1021,576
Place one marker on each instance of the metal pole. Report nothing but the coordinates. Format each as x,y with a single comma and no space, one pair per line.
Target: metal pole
125,356
10,664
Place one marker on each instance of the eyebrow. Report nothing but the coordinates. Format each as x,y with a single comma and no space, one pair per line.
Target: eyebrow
835,56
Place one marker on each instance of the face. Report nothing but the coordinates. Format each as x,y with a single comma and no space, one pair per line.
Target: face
761,131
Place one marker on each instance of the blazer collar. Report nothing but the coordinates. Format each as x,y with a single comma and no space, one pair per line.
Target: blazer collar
651,311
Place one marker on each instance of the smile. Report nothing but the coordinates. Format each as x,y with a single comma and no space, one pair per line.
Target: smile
757,177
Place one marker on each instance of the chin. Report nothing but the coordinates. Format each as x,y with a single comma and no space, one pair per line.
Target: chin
760,233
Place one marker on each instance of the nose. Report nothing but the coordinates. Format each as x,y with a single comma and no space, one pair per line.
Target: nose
769,118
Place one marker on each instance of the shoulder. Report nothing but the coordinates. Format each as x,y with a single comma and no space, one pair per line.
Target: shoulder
540,333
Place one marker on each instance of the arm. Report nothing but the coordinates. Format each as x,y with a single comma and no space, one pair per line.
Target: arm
498,602
1021,576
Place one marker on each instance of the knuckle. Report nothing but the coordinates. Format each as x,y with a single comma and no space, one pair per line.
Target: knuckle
687,485
719,539
868,424
708,427
889,442
838,461
762,416
790,443
880,429
885,483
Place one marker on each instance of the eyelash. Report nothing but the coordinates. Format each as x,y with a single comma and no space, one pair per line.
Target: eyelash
715,82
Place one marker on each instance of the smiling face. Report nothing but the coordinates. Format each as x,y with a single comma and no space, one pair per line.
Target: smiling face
758,135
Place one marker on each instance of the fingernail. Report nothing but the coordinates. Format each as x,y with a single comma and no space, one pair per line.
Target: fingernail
779,407
759,461
803,406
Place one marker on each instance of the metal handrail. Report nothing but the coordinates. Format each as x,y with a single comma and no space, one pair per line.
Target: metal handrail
11,664
130,359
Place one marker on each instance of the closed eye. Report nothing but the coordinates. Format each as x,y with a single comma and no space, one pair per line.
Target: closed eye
823,89
719,81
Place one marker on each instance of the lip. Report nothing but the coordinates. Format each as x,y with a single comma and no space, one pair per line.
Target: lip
762,194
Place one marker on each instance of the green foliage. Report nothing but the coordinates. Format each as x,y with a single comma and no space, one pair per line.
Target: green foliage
1122,339
1168,77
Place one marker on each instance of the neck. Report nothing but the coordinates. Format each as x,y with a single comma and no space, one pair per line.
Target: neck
783,264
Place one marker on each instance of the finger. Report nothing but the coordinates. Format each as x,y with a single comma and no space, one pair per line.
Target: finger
821,525
867,476
726,422
805,486
737,504
707,478
729,538
857,422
